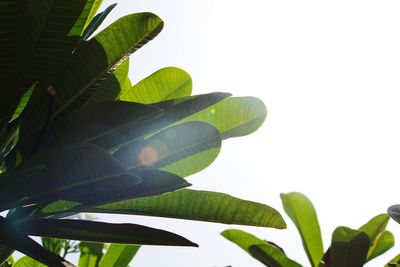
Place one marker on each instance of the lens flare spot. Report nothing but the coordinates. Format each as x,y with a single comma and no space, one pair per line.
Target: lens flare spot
148,156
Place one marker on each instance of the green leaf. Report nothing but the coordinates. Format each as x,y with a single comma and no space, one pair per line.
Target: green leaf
349,248
102,232
28,262
35,44
375,226
154,182
105,124
301,211
68,174
383,242
233,117
198,205
91,254
164,84
23,102
116,124
96,22
183,150
91,61
272,256
118,255
13,238
109,88
380,240
261,250
85,17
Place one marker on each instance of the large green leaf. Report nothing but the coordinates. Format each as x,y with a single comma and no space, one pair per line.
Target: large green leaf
102,232
165,84
104,124
267,253
28,262
234,116
301,211
13,238
383,242
118,255
91,61
91,254
183,149
349,248
115,124
154,182
198,205
66,173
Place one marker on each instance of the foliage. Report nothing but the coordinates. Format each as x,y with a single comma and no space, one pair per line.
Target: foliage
77,136
91,254
349,247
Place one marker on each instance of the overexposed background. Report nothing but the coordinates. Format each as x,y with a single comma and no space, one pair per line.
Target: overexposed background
328,72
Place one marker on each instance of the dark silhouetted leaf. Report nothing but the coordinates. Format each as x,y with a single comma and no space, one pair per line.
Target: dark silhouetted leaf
102,232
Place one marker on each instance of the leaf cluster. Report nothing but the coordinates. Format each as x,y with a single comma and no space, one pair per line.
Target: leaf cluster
76,135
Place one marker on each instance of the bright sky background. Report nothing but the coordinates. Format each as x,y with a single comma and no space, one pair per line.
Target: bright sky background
328,72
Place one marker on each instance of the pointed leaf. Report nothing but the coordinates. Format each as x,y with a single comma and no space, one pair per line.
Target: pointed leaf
96,22
68,174
349,248
154,182
118,255
383,242
115,124
164,84
102,232
11,237
91,254
266,253
90,62
375,226
301,211
199,205
183,149
233,117
23,102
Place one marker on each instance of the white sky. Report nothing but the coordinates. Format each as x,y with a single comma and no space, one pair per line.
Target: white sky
328,72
